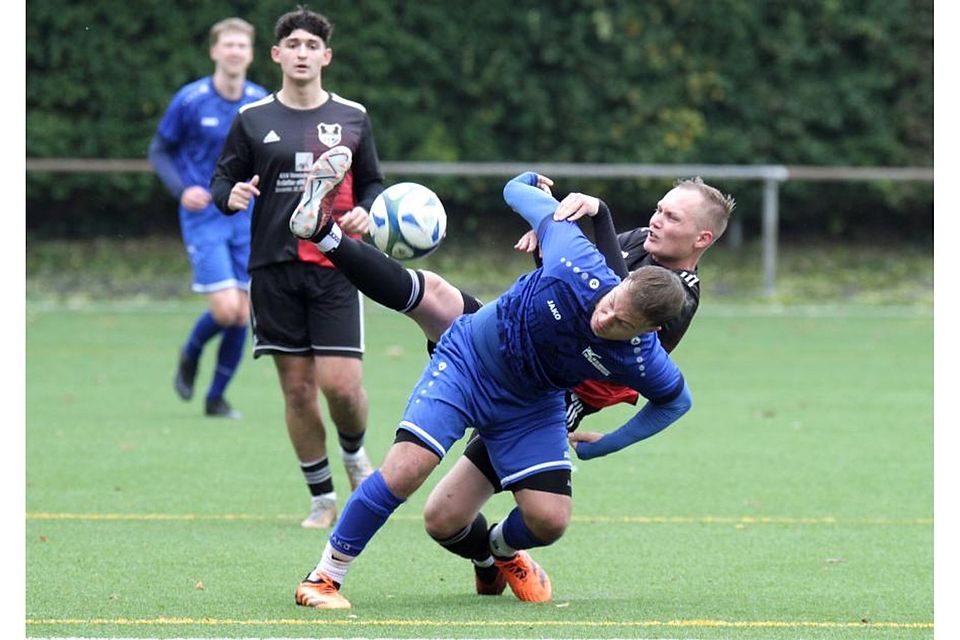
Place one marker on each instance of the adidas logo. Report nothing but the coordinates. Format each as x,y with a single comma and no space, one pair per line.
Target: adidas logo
271,137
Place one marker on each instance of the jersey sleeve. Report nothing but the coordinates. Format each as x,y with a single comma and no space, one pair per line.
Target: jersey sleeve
160,154
607,242
649,421
234,165
562,243
658,378
165,144
170,128
367,175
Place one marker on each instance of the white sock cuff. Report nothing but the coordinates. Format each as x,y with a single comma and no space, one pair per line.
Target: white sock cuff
333,567
359,453
330,241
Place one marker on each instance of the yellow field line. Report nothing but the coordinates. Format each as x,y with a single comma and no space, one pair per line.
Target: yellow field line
721,520
730,624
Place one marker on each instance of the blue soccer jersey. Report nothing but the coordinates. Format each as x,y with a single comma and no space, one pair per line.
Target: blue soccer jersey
194,128
543,321
503,369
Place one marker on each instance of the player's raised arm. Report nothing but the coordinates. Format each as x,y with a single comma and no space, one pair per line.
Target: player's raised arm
526,198
653,418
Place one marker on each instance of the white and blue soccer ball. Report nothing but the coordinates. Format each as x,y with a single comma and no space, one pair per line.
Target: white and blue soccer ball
407,221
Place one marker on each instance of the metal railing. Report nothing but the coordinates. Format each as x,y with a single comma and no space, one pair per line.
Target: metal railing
770,175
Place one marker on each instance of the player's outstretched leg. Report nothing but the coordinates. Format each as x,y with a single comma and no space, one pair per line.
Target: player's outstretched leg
319,191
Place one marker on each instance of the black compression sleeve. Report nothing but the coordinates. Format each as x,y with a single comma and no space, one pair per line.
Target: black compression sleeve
607,243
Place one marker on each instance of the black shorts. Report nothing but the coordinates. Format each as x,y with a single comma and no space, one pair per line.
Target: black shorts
299,308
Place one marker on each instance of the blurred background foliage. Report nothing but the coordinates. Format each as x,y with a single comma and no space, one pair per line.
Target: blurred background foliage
809,82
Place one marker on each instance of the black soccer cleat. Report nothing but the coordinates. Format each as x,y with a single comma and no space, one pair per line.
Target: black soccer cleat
185,377
220,408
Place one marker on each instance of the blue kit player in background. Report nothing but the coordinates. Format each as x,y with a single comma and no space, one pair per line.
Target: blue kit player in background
184,152
504,370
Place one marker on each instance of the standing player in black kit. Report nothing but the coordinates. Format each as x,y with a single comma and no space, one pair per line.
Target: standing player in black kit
305,313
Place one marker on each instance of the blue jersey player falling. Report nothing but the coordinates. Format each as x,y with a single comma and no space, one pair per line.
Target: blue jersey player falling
503,370
184,152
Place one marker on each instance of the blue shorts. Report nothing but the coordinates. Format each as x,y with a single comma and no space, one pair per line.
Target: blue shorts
219,249
525,434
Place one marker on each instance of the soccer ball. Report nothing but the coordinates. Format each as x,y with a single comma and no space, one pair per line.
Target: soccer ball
407,221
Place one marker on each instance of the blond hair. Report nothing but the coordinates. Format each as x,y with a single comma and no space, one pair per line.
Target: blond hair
718,206
231,24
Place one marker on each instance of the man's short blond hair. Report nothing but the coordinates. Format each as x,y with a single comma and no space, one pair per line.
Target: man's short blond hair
718,206
231,24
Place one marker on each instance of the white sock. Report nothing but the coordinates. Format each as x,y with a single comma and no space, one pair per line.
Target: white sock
330,241
498,545
356,455
334,568
323,496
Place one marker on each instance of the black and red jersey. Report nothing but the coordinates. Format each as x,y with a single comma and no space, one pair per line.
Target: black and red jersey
280,144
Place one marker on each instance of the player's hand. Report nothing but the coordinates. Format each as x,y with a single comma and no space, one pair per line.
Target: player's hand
356,221
544,183
528,242
575,206
583,436
195,198
242,192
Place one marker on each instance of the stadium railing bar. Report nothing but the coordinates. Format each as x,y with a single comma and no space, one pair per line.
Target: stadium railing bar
770,175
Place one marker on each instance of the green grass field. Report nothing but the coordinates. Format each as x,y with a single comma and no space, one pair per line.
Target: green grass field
794,501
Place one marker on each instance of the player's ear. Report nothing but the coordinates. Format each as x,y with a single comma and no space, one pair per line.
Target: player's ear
275,53
704,239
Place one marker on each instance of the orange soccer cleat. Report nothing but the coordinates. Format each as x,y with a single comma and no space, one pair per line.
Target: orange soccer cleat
527,580
320,594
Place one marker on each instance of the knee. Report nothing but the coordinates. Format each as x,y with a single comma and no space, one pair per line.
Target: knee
300,394
343,391
229,313
439,522
547,525
406,467
223,315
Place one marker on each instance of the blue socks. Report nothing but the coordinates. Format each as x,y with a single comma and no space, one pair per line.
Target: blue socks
228,357
366,511
517,535
203,330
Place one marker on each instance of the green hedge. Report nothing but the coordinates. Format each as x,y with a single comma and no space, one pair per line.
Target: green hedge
825,82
